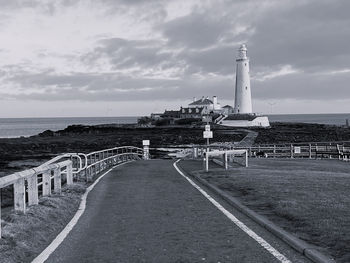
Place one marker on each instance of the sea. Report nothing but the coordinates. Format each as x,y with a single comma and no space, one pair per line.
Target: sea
17,127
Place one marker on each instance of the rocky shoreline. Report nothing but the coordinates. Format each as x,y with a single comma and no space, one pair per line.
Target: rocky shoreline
22,153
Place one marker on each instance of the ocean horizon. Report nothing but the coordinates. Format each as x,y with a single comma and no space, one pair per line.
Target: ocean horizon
17,127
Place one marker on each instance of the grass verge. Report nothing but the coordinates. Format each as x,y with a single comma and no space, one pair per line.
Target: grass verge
309,198
24,236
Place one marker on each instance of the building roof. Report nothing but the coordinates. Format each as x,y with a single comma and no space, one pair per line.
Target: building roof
228,106
202,102
171,113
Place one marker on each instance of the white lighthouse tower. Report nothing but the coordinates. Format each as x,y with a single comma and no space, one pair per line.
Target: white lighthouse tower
243,115
243,97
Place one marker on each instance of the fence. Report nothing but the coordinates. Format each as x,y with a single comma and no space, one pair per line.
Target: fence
30,184
310,150
227,156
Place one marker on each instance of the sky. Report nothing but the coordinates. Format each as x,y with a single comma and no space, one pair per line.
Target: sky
133,57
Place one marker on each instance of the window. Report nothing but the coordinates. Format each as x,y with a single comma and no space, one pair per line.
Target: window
245,64
246,88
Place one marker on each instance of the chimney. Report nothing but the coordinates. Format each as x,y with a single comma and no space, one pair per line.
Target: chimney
202,98
215,101
194,99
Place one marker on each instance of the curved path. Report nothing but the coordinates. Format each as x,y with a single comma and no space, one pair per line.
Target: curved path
146,211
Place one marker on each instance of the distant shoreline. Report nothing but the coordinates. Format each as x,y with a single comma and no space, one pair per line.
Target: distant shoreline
17,127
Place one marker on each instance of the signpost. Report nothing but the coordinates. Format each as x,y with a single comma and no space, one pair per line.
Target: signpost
207,134
297,149
145,144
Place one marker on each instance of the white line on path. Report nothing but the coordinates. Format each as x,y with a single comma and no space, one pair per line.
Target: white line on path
235,220
44,255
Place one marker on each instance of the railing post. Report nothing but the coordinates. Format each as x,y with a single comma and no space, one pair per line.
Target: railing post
33,196
0,218
69,171
88,174
47,183
225,161
291,151
246,158
195,152
19,195
206,161
274,151
310,153
57,180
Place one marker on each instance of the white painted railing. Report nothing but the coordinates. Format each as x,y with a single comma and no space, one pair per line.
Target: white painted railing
28,185
339,150
225,155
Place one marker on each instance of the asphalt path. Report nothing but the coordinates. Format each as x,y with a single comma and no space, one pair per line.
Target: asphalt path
145,211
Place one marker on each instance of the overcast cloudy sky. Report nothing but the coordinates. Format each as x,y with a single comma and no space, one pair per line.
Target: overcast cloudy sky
133,57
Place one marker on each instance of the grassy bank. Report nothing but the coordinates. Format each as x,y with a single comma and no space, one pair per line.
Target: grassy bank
309,198
24,236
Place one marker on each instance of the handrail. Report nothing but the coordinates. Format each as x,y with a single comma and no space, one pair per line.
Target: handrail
58,169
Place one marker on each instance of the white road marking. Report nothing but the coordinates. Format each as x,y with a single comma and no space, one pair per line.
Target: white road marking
44,255
235,220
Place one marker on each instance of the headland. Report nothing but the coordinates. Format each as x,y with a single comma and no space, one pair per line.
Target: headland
22,153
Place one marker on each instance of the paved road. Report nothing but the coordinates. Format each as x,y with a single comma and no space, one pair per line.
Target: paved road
147,212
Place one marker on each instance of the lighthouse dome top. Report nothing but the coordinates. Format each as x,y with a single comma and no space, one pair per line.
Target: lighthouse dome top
242,52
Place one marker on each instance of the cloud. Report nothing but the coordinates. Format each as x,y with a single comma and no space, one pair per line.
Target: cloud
282,71
172,50
309,35
304,86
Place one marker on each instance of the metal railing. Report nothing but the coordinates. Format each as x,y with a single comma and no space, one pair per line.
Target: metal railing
226,157
49,177
311,151
301,150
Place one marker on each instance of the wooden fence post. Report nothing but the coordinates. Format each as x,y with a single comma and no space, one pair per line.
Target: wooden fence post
33,196
88,174
69,170
310,151
57,180
19,195
47,183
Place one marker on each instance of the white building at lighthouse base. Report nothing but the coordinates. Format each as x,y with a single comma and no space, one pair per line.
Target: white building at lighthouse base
244,120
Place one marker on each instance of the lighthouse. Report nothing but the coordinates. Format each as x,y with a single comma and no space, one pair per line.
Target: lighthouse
243,97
